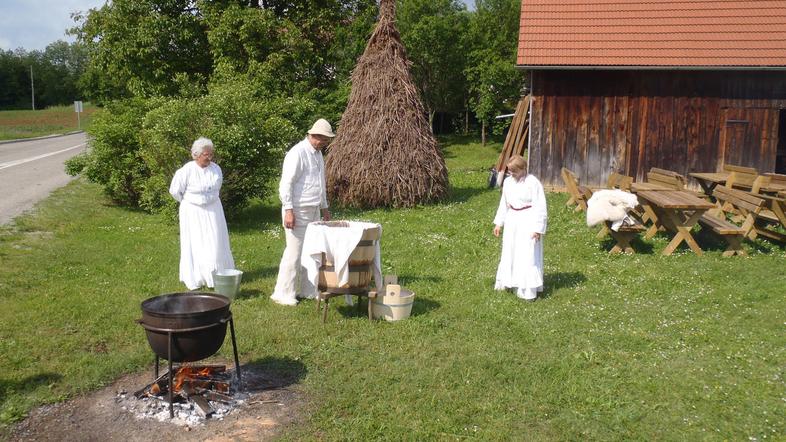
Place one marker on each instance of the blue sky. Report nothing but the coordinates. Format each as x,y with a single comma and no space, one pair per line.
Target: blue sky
33,24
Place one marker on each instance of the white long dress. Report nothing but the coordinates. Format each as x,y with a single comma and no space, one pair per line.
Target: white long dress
204,239
521,263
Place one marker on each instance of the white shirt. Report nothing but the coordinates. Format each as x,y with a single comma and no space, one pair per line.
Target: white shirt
197,185
303,177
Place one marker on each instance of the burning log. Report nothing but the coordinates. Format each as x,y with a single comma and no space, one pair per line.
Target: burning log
203,377
215,396
153,388
204,409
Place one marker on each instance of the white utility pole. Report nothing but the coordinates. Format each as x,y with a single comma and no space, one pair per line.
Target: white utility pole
32,87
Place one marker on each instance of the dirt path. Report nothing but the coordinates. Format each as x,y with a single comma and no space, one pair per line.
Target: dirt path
113,414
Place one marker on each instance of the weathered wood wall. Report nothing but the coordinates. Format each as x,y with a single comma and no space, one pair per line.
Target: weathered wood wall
598,122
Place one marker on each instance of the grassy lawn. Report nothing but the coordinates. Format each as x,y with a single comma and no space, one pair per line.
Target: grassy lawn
52,120
631,347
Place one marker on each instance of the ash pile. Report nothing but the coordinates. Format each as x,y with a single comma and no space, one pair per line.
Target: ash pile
199,393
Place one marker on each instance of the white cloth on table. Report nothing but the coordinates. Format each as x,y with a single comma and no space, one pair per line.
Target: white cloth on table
204,238
521,263
337,243
610,205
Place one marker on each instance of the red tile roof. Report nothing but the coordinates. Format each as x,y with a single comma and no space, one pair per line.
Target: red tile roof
652,33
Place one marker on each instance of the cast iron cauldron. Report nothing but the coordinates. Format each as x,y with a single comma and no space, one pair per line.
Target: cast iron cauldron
197,322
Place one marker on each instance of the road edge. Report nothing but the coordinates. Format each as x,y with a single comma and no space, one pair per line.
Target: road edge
19,140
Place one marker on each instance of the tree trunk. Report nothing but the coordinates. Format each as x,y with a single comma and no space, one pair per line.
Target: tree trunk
466,121
483,134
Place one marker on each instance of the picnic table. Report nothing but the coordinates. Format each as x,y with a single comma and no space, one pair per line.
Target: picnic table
640,187
709,180
675,211
648,215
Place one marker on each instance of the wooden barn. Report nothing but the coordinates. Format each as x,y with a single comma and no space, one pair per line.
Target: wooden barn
626,85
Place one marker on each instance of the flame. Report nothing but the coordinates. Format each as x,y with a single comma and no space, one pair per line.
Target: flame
187,372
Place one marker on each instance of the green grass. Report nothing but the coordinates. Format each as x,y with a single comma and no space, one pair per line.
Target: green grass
631,347
49,121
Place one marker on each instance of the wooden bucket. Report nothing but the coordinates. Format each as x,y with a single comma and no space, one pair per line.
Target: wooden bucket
394,304
361,263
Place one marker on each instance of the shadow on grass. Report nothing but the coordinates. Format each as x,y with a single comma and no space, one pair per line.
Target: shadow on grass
271,372
639,246
463,194
256,218
423,305
248,294
264,272
560,280
28,384
420,306
709,241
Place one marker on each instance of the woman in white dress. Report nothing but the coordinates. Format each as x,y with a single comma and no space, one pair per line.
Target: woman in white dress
204,239
522,213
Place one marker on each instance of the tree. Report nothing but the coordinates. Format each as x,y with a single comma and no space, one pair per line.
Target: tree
56,71
494,84
433,32
138,47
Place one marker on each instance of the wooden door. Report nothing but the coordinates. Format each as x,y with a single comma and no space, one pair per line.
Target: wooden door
748,137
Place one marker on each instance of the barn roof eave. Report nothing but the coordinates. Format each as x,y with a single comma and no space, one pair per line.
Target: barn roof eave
646,68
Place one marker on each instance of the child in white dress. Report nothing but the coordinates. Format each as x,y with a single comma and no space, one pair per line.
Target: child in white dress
522,214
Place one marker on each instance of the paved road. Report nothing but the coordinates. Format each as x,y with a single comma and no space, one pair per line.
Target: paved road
31,170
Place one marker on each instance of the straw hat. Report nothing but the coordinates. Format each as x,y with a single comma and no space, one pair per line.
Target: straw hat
322,127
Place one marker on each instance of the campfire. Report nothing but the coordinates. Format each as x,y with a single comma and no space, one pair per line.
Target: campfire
198,384
184,328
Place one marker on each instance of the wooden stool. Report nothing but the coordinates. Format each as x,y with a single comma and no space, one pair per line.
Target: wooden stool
326,294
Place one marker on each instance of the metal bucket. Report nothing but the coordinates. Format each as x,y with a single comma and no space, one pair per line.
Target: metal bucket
227,282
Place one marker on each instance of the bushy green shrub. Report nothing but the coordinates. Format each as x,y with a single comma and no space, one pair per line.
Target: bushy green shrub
139,144
113,159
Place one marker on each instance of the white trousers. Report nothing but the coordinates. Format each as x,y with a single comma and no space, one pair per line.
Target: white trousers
290,270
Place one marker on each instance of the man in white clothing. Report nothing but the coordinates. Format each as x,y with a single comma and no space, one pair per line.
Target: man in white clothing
303,197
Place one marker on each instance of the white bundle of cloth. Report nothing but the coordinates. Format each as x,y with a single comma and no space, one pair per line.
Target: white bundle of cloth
610,205
337,243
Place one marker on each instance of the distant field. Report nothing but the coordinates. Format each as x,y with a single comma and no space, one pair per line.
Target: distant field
53,120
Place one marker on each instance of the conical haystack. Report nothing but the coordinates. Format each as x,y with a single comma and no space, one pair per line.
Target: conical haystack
384,154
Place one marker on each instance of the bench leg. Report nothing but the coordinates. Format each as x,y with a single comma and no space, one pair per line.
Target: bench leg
623,242
734,245
604,230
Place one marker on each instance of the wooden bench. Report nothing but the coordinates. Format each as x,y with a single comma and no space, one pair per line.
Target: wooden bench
748,206
741,177
777,181
727,230
624,236
671,180
619,181
578,194
666,178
